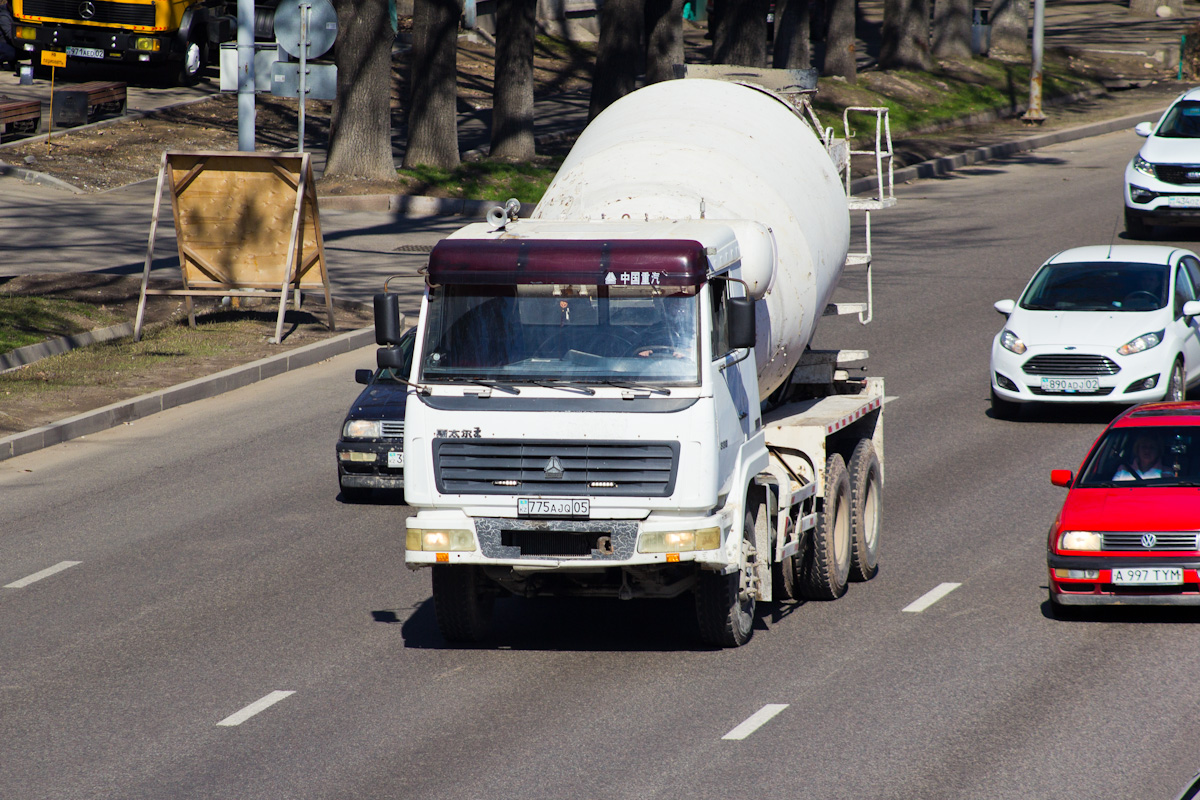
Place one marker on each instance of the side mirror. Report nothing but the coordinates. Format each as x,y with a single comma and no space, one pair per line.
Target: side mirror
1144,128
1061,477
740,311
363,376
1191,308
390,358
389,322
1005,307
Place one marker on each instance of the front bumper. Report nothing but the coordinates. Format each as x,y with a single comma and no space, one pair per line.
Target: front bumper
1102,591
117,46
1011,382
365,464
540,545
1160,203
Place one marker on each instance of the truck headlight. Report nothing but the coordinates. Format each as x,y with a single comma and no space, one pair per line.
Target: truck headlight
1079,540
1143,166
147,44
363,429
439,541
1010,341
1142,343
679,541
26,32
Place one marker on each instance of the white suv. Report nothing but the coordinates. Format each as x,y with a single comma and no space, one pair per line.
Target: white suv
1100,324
1162,182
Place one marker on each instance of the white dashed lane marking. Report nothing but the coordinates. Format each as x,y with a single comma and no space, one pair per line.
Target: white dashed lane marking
929,598
756,721
254,708
37,576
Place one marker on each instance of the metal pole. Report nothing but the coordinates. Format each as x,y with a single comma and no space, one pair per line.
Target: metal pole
305,9
1034,114
245,87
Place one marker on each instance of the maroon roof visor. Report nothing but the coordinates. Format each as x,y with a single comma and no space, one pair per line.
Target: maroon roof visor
595,262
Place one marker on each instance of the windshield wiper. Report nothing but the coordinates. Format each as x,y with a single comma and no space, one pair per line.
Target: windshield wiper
481,382
636,387
563,384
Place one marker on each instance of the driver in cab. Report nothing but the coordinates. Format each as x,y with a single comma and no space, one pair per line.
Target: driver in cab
1146,463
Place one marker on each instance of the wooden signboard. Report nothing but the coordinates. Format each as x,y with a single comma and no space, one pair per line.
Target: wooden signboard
246,225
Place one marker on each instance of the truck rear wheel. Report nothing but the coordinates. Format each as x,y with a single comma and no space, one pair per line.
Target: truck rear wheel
825,570
866,485
725,604
462,602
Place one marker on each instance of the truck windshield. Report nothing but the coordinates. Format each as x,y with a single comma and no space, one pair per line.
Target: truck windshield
562,332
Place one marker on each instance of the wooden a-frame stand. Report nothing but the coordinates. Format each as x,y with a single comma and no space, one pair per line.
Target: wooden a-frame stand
246,225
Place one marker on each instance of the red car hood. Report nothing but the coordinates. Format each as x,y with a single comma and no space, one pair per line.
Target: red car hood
1137,509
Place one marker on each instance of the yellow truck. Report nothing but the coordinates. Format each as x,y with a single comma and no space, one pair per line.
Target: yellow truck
172,36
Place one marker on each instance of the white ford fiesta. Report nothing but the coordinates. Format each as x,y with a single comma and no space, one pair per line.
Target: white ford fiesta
1100,324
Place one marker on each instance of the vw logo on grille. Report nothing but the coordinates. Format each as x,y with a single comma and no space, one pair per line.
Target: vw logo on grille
553,469
87,9
1149,540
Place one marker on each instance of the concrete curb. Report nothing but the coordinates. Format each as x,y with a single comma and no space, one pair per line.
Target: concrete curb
52,347
198,389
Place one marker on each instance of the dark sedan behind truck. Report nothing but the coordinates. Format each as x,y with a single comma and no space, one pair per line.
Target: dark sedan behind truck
370,451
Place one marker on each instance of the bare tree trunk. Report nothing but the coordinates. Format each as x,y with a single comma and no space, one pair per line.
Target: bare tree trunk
1010,28
793,35
360,126
904,42
741,36
433,113
664,39
617,53
952,29
840,55
512,88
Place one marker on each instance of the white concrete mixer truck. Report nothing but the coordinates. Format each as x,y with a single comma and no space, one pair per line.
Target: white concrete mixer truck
614,397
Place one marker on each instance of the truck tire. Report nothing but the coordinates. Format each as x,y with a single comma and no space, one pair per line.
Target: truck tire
866,494
825,570
725,604
188,70
462,602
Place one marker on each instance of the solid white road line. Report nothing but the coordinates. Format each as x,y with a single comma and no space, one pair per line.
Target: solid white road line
252,709
930,597
756,721
37,576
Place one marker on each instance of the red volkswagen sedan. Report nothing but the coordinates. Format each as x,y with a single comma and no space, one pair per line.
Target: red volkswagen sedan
1129,531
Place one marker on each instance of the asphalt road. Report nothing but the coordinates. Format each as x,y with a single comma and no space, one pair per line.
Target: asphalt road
204,564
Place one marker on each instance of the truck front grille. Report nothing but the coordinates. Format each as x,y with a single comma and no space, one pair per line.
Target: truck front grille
104,12
555,468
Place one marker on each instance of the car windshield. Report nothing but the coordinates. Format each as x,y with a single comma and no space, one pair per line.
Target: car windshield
562,334
1144,456
1181,122
1101,286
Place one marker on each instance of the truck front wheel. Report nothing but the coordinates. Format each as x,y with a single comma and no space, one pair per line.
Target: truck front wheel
462,601
825,570
725,604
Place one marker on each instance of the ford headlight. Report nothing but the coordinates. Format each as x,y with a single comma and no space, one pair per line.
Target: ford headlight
1143,166
1079,540
1010,341
363,429
1142,343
